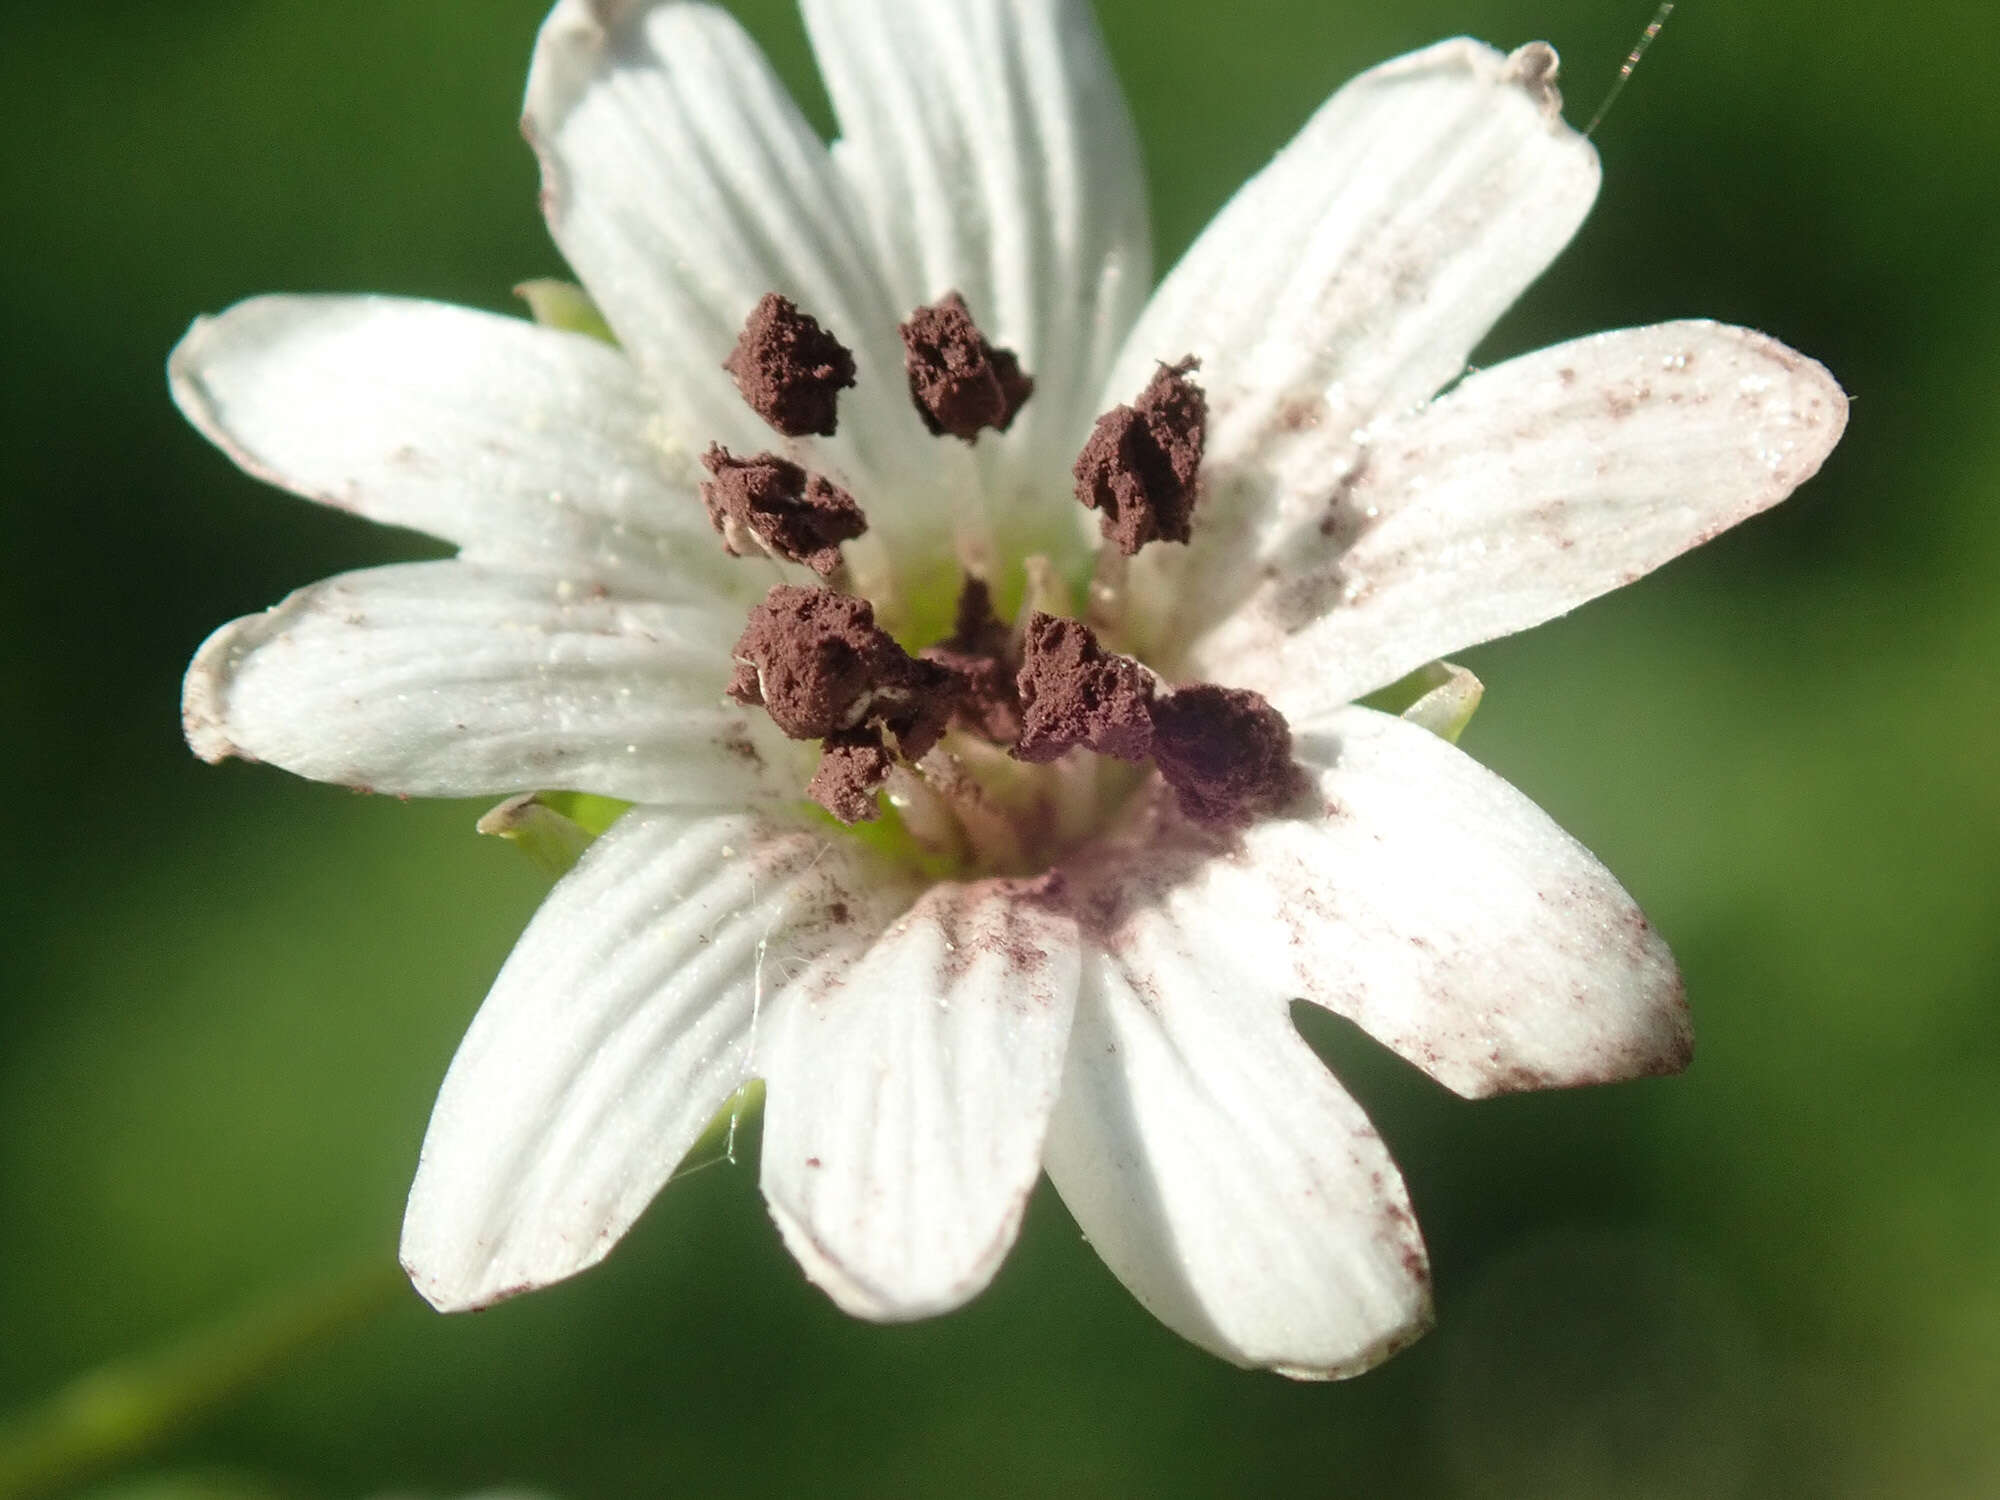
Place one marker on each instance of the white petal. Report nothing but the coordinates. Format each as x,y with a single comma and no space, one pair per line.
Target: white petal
1351,278
909,1088
989,146
1363,264
1531,488
620,1025
1422,897
449,680
1223,1174
523,444
683,184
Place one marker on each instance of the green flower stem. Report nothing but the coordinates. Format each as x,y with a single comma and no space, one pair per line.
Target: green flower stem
121,1410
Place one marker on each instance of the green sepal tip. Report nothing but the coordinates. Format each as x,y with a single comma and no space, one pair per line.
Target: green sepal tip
1439,696
565,305
553,828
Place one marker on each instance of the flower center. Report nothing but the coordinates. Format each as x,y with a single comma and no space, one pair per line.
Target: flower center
999,747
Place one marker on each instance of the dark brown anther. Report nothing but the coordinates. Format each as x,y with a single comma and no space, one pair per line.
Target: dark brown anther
816,660
823,669
743,686
799,516
959,382
976,627
1139,467
790,370
1226,752
917,708
983,695
979,653
852,768
1074,692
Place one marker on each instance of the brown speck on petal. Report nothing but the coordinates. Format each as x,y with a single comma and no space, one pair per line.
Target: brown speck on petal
958,381
1074,692
790,370
1139,466
799,516
851,770
1226,752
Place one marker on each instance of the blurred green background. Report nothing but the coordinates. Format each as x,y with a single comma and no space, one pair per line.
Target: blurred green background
230,995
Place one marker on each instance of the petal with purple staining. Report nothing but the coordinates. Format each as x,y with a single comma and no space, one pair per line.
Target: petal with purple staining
989,147
683,185
1351,279
445,679
528,447
1529,489
1223,1174
910,1084
623,1021
1429,902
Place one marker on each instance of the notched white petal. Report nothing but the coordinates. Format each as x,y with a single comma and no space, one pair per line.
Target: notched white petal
623,1021
1527,490
683,184
1222,1173
525,445
1348,281
1357,270
1434,906
446,679
910,1083
988,146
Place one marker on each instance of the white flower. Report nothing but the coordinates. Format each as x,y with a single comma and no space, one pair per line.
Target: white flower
931,1043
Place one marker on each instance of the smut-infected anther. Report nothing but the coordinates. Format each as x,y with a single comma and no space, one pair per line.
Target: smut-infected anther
852,768
816,659
1226,752
790,370
917,707
823,669
1074,692
1140,465
801,517
959,382
979,652
976,627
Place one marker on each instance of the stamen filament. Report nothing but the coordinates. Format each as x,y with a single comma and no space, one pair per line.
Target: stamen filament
928,816
1076,786
990,822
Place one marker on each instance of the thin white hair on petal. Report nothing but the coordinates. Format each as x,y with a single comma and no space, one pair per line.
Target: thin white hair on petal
615,1036
757,984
